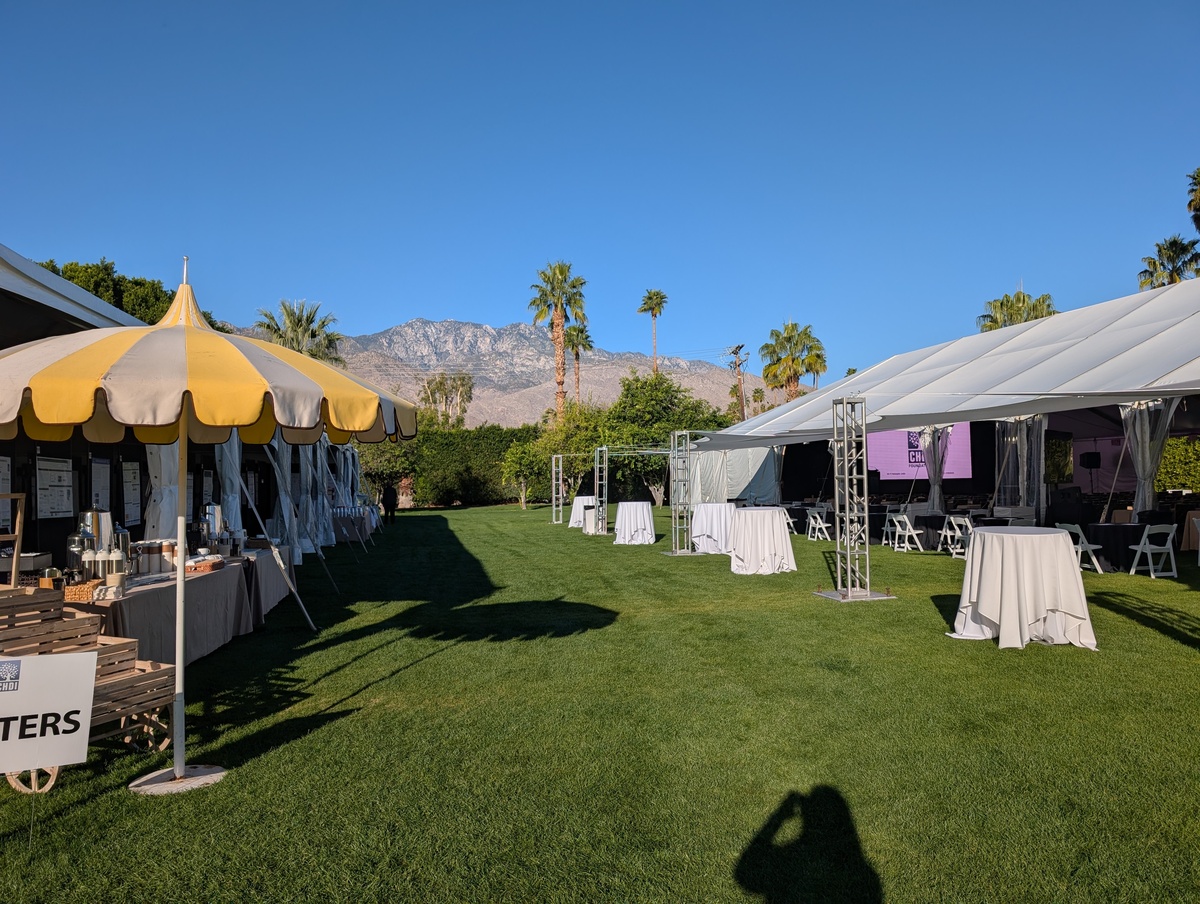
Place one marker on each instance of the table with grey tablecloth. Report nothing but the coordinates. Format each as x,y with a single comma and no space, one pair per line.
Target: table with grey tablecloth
217,609
759,542
1023,584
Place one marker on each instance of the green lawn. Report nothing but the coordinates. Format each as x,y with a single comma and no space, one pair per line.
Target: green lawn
498,709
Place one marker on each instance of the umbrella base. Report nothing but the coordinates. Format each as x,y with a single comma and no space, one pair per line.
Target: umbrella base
164,781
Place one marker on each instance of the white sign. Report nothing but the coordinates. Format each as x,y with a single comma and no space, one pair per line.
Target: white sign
102,484
55,488
131,480
5,487
45,710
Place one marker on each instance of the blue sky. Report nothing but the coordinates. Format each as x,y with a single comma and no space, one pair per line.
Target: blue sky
877,170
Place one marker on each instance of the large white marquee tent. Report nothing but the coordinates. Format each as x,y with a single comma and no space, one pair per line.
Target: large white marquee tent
1130,352
1137,348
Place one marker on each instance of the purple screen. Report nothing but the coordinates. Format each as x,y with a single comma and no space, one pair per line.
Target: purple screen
896,454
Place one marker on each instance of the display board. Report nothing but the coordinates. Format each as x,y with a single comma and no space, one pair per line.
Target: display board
897,455
102,484
55,488
131,487
5,487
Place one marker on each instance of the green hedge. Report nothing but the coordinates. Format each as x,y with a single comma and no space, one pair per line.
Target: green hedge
1180,468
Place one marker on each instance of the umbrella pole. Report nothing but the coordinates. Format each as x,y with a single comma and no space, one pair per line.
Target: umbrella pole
177,725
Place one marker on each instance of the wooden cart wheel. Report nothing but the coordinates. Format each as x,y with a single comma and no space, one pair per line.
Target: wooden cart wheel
145,732
34,781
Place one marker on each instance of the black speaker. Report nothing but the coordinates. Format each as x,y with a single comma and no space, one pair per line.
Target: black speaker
1089,460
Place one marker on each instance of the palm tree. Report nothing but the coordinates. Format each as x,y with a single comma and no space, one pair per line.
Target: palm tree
1175,260
784,356
559,298
300,329
1020,307
1194,197
814,360
577,339
653,303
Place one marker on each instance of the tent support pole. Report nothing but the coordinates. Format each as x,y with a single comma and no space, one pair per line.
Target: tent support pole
279,559
1113,488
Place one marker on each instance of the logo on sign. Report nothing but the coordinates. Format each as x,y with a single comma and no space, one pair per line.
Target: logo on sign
10,674
915,455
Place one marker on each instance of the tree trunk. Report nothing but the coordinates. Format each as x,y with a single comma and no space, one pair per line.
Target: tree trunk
577,378
654,340
558,320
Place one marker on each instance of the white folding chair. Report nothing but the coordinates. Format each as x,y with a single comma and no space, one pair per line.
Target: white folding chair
946,536
1082,545
960,535
817,528
906,536
889,526
1158,541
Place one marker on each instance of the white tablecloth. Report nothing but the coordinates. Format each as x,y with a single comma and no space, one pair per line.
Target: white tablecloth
710,526
577,509
1023,584
635,524
759,541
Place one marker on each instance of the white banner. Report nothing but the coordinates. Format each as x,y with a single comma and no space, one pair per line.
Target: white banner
45,710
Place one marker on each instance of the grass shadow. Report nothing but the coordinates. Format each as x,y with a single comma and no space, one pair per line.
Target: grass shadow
808,850
1173,623
499,622
947,606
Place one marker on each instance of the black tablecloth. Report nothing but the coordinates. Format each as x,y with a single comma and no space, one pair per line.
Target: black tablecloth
1114,540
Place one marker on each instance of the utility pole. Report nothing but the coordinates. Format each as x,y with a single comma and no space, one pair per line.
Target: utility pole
736,366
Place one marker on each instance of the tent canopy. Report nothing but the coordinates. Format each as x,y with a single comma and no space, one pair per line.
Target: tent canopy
1135,348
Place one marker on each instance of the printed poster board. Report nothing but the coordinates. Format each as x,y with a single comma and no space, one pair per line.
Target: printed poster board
131,486
102,484
5,487
55,488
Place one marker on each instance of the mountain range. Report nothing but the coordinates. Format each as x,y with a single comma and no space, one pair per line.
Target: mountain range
513,368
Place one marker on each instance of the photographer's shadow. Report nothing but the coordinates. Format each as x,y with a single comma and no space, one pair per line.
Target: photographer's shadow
808,851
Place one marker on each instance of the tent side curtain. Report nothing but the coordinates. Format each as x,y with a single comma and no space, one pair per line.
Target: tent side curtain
1146,427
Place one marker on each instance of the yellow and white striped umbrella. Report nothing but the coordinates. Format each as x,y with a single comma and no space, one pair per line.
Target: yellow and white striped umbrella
145,377
181,379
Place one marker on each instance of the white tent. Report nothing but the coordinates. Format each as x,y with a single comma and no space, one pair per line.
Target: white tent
1137,348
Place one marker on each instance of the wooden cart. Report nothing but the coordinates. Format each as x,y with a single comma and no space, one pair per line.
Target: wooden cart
131,694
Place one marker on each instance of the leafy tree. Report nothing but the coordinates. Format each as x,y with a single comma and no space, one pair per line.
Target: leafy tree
448,396
524,464
653,303
1012,309
851,371
146,299
648,410
1180,466
784,357
1175,260
577,339
1193,204
559,298
583,428
300,329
